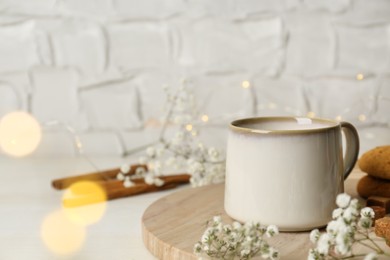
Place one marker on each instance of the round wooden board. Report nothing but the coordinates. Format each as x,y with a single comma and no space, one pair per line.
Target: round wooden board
173,224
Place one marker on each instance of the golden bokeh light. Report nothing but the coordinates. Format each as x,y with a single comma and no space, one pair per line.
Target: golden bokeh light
84,203
245,84
60,235
359,76
362,117
205,118
338,118
311,114
272,105
189,127
20,133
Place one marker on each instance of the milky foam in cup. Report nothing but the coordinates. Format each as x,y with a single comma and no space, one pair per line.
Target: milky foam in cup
287,171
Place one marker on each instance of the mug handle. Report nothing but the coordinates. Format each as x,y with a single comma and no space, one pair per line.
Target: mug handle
352,143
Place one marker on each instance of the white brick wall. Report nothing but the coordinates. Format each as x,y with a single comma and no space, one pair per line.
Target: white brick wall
99,65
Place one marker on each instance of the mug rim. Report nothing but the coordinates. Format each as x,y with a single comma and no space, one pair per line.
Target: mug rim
235,125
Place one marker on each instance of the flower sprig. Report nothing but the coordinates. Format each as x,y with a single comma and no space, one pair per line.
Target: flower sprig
183,151
350,226
236,241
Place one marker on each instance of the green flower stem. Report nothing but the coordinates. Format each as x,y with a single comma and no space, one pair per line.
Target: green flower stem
168,116
364,244
380,250
224,253
137,149
377,248
352,256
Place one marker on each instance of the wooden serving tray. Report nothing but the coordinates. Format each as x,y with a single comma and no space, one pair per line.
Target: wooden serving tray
173,224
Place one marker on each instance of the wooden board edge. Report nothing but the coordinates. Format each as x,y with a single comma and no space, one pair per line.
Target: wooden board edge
162,250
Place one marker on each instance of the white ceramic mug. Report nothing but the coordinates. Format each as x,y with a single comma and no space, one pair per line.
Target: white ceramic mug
287,171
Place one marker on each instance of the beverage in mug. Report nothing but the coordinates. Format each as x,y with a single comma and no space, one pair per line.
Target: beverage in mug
287,171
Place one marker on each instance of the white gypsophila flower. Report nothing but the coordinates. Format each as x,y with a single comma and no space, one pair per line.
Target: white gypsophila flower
160,151
170,161
181,109
157,167
315,255
341,231
140,171
245,252
335,225
178,138
234,236
200,147
248,225
343,227
217,219
158,182
209,231
272,254
227,229
272,230
354,203
213,154
205,238
323,243
342,249
194,180
315,235
265,252
128,183
371,256
218,178
142,160
120,176
125,168
150,151
343,200
367,212
337,213
257,244
235,241
262,229
236,225
149,179
195,167
344,242
349,214
365,222
355,210
219,227
248,240
197,248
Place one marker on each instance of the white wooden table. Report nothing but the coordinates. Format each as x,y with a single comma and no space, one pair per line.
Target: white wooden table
26,198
